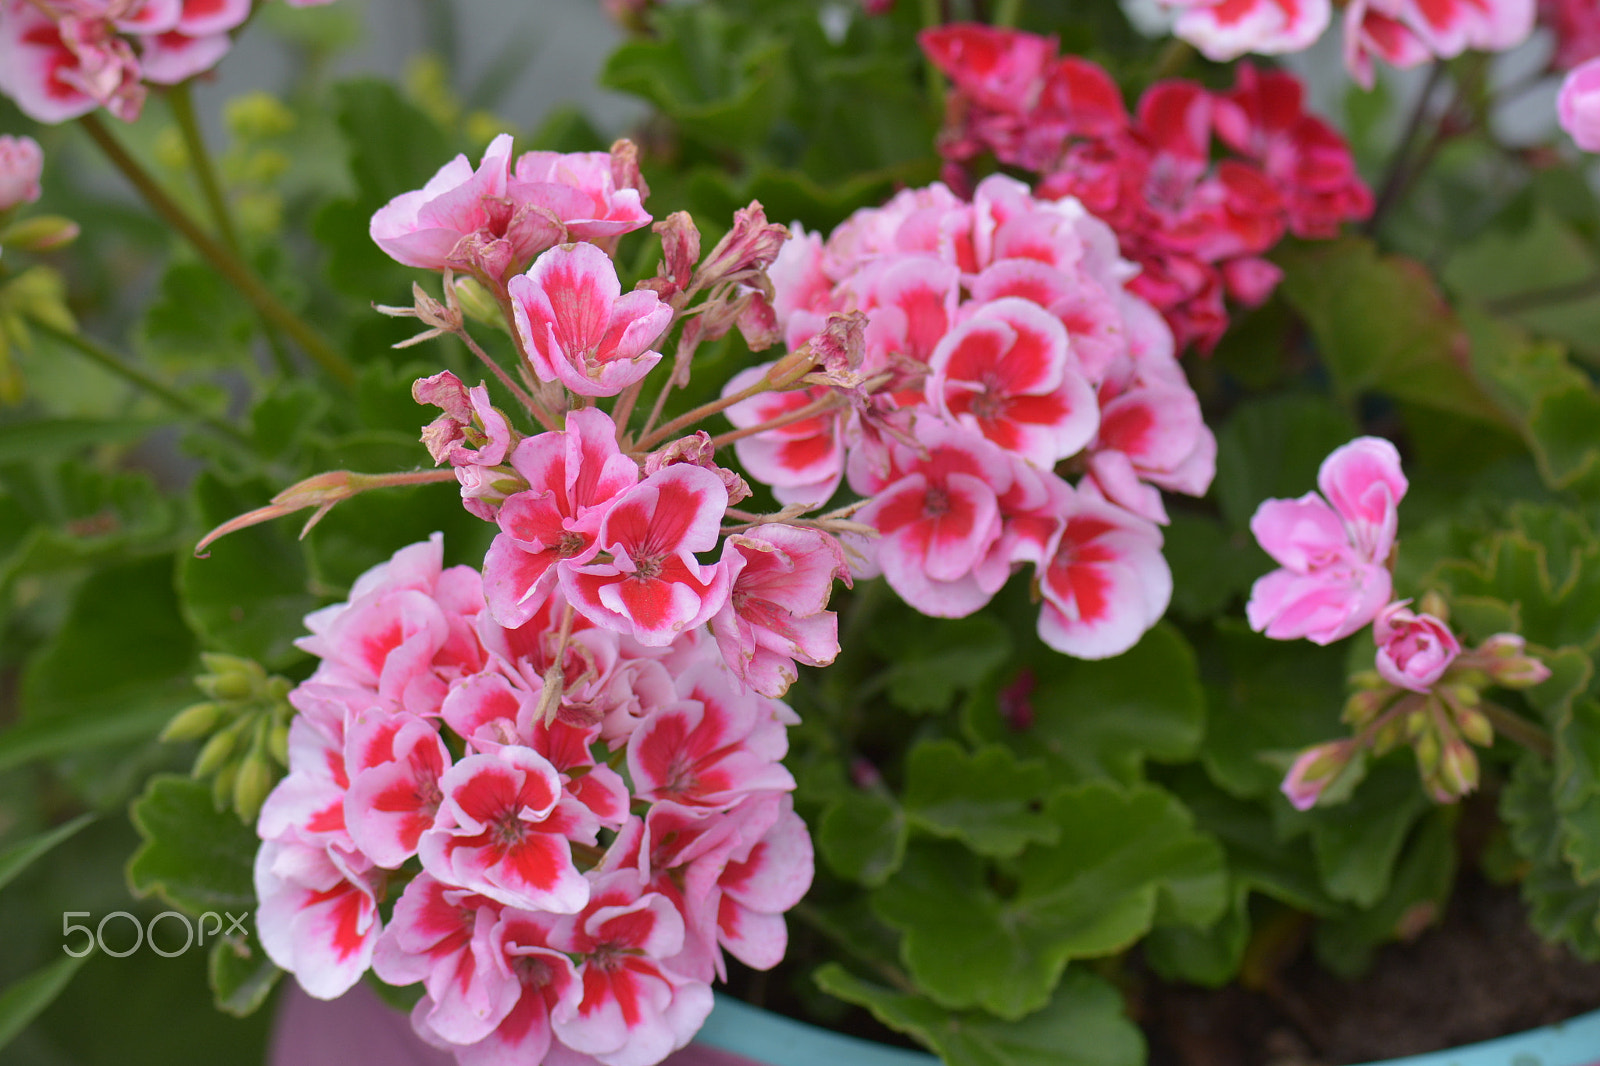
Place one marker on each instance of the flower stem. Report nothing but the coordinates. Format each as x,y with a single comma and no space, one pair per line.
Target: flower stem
1006,13
181,100
230,266
1401,173
535,408
1518,728
98,353
799,414
704,411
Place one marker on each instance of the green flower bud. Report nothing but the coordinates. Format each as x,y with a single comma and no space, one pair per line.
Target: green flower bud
251,784
194,722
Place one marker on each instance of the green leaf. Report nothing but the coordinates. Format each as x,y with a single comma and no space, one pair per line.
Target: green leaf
1123,862
724,83
1414,900
196,857
1545,570
1209,957
1210,566
987,799
1271,699
116,670
22,1002
1554,404
1558,907
17,858
240,973
196,317
248,596
934,659
1357,842
862,835
1271,449
1382,326
1082,1025
1100,719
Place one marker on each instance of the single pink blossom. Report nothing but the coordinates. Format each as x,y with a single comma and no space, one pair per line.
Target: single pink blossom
577,325
1227,29
781,577
1414,650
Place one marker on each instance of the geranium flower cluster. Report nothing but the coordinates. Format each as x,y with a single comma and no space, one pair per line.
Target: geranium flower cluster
578,824
63,58
1196,225
1335,554
567,764
985,349
1402,32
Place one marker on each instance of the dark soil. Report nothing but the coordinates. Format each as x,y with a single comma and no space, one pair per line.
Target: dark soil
1479,974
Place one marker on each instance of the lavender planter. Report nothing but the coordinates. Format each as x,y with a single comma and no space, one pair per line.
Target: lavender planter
359,1030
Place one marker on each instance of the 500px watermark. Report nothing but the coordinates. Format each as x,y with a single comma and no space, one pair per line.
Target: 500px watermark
147,932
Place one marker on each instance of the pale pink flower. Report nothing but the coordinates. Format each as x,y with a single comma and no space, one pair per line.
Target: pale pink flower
21,162
579,191
1334,575
1414,650
939,517
573,477
577,325
1578,105
60,68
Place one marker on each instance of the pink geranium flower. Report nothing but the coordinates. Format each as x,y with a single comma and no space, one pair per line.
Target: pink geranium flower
781,577
1414,650
503,831
1333,552
577,325
1227,29
653,587
21,162
1578,106
1104,581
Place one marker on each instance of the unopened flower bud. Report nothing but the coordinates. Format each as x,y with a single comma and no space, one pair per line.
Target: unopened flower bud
251,784
625,172
1505,659
1314,770
746,251
1427,747
478,304
21,162
229,677
216,752
1474,725
789,369
194,722
40,233
758,323
1457,772
222,786
1364,705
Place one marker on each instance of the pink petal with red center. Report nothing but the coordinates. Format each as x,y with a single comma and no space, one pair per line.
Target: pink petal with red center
308,804
1106,582
1228,29
541,979
695,754
390,806
317,918
499,832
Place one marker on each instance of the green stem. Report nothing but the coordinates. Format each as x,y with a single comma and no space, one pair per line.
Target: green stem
1401,173
1518,728
1532,299
931,17
181,100
1174,56
98,353
230,266
1007,13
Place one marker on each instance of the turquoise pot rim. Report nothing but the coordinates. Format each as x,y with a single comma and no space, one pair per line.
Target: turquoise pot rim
778,1041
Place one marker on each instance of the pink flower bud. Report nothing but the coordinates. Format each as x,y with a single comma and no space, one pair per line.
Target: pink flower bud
1316,769
1502,657
747,250
20,164
1413,650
